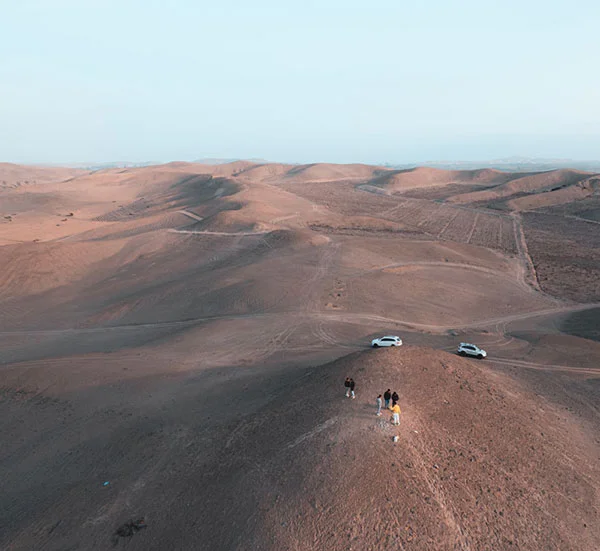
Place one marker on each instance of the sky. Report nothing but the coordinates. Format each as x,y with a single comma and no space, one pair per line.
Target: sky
298,81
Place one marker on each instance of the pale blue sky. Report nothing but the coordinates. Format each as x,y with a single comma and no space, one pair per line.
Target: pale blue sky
329,80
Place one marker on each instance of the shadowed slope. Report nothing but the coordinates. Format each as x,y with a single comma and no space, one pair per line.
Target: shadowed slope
480,464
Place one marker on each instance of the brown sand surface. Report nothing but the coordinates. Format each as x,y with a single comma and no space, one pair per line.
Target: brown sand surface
182,332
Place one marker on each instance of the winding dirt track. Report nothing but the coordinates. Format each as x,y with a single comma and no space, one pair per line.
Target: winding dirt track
201,232
529,268
191,215
427,263
545,367
520,279
344,317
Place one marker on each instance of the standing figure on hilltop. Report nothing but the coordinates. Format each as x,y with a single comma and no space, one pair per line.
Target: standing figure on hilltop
352,385
395,414
379,404
387,396
347,385
395,398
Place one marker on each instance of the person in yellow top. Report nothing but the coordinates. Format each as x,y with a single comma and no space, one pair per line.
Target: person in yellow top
395,409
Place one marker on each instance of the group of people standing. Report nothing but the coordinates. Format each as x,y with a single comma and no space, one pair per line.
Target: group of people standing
387,396
394,408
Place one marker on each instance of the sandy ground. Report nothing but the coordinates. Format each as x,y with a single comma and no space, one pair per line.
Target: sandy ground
170,331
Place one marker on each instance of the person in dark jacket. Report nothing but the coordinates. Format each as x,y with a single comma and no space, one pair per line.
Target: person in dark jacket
347,385
352,385
395,398
387,396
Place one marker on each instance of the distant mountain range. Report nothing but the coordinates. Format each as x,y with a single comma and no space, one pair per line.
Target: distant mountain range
211,161
510,164
138,164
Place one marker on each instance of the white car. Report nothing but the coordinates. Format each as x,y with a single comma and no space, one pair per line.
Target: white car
386,341
468,349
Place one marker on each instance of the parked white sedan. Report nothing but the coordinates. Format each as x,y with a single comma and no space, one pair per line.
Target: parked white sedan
468,349
386,341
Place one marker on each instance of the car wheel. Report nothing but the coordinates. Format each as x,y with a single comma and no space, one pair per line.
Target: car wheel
375,345
462,353
479,356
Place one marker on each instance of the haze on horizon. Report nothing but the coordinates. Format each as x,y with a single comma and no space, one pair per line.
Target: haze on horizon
334,81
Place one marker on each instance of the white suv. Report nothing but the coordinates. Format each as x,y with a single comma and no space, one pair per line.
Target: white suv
386,341
467,349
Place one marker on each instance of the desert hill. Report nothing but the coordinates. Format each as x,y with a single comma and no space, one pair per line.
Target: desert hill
530,192
490,188
480,463
173,340
14,176
402,180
